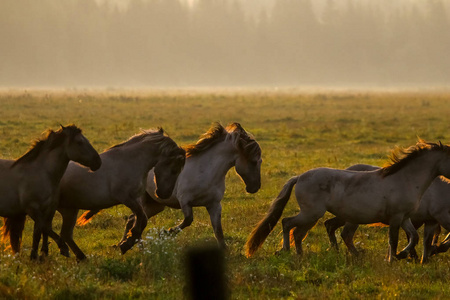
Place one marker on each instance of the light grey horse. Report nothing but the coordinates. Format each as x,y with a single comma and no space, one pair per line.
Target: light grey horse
388,195
120,180
202,181
433,211
29,185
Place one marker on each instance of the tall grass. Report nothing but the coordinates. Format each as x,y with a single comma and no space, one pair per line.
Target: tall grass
296,130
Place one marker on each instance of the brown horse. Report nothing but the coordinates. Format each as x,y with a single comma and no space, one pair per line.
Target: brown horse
388,195
29,185
121,180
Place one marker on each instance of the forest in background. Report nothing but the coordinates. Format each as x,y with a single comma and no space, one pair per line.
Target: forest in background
167,43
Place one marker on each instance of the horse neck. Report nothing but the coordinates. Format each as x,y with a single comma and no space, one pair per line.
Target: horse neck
422,171
142,156
216,161
53,161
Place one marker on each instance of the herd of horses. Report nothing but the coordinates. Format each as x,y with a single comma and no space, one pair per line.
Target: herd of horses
63,172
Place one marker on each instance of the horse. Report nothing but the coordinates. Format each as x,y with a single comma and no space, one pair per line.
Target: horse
433,211
29,184
202,181
121,180
388,195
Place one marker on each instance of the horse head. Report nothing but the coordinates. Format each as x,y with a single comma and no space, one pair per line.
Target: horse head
79,149
166,171
444,167
248,162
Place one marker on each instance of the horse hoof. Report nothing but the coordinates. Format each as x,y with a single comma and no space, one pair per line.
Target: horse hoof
434,250
42,258
174,230
33,256
64,252
81,258
124,247
281,251
163,233
402,255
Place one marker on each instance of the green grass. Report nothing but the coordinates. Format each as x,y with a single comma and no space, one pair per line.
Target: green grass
296,130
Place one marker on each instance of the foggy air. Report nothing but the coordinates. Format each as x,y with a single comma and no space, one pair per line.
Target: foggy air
175,43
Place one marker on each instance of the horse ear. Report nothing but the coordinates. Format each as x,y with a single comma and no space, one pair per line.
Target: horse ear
62,127
440,144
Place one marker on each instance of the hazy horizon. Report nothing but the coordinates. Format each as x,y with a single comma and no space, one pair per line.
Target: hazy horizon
224,43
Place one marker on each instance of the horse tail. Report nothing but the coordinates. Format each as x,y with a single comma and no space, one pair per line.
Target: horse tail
266,225
86,217
13,227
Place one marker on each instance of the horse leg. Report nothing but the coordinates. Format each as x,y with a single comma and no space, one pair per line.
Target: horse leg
413,238
37,217
187,221
48,231
428,233
215,215
436,234
394,226
413,253
69,217
37,232
136,230
347,235
444,221
444,245
44,248
150,207
303,224
332,225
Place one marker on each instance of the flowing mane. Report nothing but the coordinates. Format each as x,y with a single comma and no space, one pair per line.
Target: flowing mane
50,140
215,134
400,157
156,136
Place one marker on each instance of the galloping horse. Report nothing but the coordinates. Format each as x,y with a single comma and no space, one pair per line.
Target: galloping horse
433,211
29,185
120,180
202,181
388,195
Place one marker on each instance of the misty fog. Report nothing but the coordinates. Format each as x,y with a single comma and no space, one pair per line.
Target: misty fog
174,43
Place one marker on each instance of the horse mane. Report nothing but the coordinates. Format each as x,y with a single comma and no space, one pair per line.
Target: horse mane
50,140
217,133
214,135
400,157
246,143
156,136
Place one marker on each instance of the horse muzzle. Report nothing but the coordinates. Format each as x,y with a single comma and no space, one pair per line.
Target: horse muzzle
96,165
163,194
253,189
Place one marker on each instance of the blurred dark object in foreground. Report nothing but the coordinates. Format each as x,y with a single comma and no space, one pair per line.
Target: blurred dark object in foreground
205,275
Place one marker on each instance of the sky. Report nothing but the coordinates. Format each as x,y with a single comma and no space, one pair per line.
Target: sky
178,43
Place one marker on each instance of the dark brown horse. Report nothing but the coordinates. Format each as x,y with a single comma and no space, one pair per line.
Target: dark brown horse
29,185
121,180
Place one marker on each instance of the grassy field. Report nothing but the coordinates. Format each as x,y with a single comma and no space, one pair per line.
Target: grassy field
297,131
